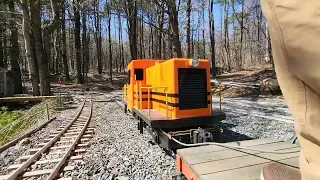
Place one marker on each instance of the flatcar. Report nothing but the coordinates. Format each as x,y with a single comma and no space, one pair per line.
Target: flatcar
172,98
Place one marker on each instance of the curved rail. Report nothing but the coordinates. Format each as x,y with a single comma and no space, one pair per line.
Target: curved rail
66,155
73,126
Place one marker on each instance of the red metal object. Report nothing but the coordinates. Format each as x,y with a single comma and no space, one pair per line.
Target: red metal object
183,168
60,81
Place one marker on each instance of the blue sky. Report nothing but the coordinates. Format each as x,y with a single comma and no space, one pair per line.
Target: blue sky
182,17
115,24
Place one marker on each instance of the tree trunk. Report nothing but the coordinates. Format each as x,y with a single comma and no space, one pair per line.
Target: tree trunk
118,52
141,41
2,46
122,48
98,35
152,44
71,44
203,35
40,53
110,46
5,52
77,42
132,25
14,52
64,43
2,37
87,64
192,44
241,34
236,57
198,36
30,51
188,29
212,39
161,23
47,50
85,53
269,57
120,44
174,24
56,58
226,36
164,52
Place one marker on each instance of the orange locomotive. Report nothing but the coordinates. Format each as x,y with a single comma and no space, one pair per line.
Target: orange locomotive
172,97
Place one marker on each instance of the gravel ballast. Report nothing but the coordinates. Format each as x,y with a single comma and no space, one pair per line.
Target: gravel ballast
119,151
256,118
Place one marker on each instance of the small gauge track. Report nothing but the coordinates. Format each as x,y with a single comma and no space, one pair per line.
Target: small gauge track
56,152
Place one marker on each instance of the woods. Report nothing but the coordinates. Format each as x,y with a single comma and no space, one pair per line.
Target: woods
41,39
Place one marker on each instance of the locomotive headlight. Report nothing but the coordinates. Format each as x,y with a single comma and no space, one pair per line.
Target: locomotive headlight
194,62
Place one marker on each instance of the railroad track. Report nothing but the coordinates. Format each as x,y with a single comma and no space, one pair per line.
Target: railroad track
57,153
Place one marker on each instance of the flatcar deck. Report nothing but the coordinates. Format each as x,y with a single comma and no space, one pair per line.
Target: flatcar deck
216,162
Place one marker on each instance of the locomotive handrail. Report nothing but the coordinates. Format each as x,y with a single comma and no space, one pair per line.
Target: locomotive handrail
136,98
159,87
125,93
220,96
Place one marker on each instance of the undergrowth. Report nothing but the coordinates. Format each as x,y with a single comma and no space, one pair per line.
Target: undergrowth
16,123
7,117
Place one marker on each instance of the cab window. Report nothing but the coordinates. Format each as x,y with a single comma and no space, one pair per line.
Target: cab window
138,74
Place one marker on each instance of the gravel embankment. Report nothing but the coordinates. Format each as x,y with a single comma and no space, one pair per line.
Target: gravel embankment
10,156
258,118
118,150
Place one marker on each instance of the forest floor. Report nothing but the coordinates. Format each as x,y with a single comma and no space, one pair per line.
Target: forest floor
245,84
95,82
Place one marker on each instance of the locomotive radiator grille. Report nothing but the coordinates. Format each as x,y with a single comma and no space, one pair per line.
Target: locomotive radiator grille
192,88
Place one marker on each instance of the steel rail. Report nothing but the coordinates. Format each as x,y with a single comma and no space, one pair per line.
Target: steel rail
54,173
26,164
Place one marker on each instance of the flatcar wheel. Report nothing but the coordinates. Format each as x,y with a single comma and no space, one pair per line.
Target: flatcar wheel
125,109
170,152
181,177
296,141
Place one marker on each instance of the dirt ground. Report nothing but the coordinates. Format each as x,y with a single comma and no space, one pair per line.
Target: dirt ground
95,82
245,84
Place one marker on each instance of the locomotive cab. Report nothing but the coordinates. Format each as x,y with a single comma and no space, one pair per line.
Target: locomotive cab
136,72
172,97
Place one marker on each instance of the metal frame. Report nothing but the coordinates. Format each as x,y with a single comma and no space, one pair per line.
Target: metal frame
182,122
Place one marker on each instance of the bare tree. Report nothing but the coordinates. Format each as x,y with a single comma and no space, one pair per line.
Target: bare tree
30,51
174,27
64,43
77,41
85,45
14,51
188,28
98,34
212,39
110,46
131,12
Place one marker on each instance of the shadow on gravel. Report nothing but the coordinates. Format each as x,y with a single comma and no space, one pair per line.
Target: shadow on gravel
229,135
